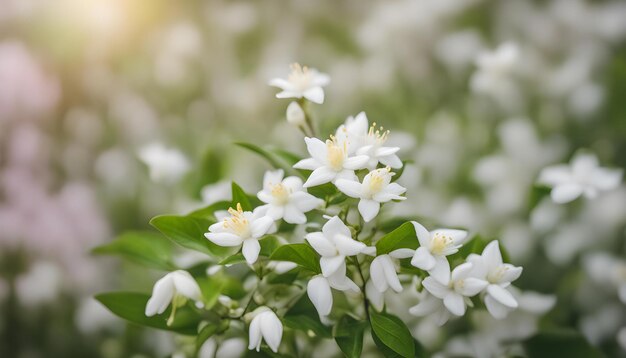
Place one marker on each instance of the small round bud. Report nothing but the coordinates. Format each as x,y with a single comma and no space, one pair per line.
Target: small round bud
295,114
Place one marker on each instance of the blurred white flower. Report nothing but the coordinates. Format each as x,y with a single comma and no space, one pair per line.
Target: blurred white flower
220,191
383,270
164,164
285,198
582,177
494,74
280,267
265,326
302,82
175,288
460,285
430,305
41,284
295,114
362,139
375,190
241,228
434,247
334,243
329,161
489,267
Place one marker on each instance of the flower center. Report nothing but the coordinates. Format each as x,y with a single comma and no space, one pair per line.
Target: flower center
280,194
300,76
237,222
458,285
496,275
336,154
378,180
441,244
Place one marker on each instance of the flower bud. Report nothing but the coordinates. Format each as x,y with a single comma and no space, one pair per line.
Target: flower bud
295,114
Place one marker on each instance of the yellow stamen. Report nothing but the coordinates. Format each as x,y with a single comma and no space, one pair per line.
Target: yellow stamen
440,243
237,221
280,193
380,135
335,154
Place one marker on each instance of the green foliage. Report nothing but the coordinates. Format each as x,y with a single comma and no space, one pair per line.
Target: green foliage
301,254
391,333
402,237
142,247
560,343
348,334
400,171
188,232
209,330
306,323
131,307
277,158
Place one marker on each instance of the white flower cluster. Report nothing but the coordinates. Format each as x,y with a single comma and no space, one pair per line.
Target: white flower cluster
358,163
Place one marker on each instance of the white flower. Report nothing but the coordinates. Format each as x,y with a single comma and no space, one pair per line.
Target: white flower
265,326
434,247
376,188
175,287
334,243
318,290
165,165
489,267
383,270
495,68
329,161
302,82
460,286
285,198
241,228
432,306
295,114
582,177
365,140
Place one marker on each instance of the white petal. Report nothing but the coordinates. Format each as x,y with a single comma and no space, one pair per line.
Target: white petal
293,215
391,276
356,162
441,270
351,188
320,79
280,83
162,295
377,273
565,193
368,209
423,259
385,151
339,281
402,253
224,239
272,177
458,236
186,285
495,308
294,184
321,244
272,330
320,295
555,175
435,287
348,246
502,295
330,265
315,95
250,250
472,286
491,255
308,164
462,271
335,226
391,192
423,235
273,211
392,161
375,297
426,306
607,179
316,148
260,226
319,176
289,94
305,202
455,304
511,274
254,332
265,197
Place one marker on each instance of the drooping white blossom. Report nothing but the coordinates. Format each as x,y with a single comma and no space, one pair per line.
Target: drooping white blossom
243,228
329,161
460,285
175,288
285,198
431,306
165,165
303,82
583,176
265,325
383,270
334,243
319,290
434,247
368,140
376,189
489,267
295,114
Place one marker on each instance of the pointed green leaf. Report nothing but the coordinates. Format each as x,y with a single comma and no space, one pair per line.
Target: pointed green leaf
392,333
349,336
402,237
188,232
143,247
301,254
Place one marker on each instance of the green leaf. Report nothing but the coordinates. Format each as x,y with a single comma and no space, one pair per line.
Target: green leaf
269,244
301,254
131,306
209,330
349,336
143,247
211,288
560,343
324,191
392,333
240,197
279,159
402,237
188,232
307,323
